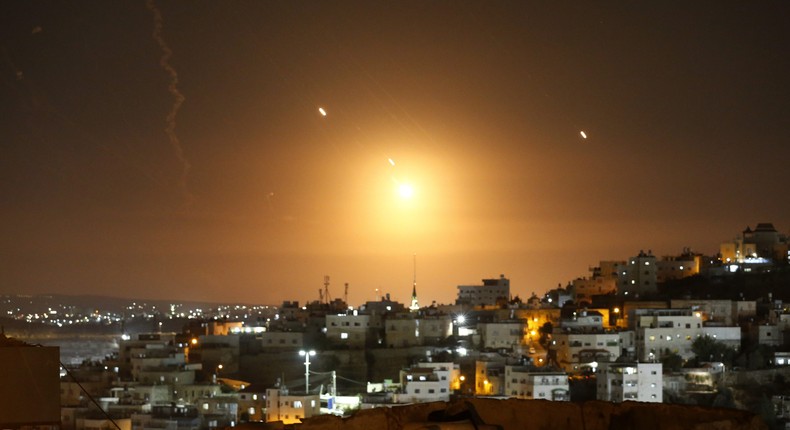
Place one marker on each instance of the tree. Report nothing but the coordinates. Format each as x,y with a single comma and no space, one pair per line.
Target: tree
545,332
706,348
671,361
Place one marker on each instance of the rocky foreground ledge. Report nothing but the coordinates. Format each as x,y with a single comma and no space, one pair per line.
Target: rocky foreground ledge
476,413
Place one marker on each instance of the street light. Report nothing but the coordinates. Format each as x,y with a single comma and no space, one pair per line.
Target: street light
307,355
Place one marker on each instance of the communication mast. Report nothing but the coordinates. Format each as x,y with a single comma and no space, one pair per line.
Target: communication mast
326,289
345,294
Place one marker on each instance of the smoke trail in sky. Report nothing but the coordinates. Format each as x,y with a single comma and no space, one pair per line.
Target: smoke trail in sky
178,98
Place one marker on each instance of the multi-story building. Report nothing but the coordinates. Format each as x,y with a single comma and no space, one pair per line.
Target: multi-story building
524,382
489,378
217,352
411,329
582,320
493,292
155,356
764,242
575,351
219,411
289,408
640,382
662,330
133,347
252,404
767,334
638,276
582,289
428,382
729,336
353,329
711,311
510,335
175,416
672,267
281,340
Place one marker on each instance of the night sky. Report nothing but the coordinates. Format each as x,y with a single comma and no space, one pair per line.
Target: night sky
175,150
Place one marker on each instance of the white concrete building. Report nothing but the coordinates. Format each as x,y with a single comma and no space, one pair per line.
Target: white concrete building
503,335
427,382
661,330
583,289
639,382
527,383
711,311
489,378
403,330
768,334
638,276
582,319
281,339
289,408
672,267
575,351
354,329
730,336
492,292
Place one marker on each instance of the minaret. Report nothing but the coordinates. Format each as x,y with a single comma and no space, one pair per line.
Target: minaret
415,306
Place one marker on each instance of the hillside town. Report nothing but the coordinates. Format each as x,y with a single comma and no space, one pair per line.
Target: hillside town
708,330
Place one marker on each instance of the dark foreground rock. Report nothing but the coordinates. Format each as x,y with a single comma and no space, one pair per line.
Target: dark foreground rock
540,415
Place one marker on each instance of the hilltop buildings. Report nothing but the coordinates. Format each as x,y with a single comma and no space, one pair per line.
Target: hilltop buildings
601,333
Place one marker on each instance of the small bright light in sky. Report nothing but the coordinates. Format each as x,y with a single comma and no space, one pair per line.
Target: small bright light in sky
391,161
584,135
322,111
406,191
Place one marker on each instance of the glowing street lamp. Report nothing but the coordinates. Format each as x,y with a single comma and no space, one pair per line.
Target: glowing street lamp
307,355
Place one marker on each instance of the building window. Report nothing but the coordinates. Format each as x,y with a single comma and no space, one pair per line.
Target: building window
344,335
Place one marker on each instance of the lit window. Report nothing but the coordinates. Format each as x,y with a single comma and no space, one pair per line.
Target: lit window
297,403
344,335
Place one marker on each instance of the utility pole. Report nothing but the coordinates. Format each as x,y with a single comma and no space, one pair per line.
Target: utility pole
306,355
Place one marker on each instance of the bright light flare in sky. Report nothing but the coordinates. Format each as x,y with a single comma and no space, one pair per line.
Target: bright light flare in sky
584,135
406,191
322,111
392,162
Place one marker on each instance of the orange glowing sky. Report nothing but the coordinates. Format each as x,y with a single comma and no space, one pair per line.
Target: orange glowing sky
478,106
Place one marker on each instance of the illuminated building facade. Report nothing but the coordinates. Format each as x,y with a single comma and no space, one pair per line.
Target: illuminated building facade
638,382
638,276
661,330
527,383
492,293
